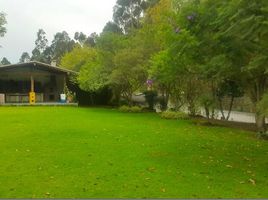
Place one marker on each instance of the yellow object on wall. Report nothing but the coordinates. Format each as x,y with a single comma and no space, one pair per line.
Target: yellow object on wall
32,98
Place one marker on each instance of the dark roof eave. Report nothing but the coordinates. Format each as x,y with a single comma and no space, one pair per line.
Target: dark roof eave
41,64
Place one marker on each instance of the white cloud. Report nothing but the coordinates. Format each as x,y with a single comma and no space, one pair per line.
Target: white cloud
25,17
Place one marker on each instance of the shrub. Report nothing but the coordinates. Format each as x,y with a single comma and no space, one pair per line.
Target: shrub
174,115
133,109
124,109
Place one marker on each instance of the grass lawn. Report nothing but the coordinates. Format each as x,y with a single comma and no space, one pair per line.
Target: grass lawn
84,153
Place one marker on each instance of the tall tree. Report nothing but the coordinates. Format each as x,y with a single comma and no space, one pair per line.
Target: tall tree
2,24
61,45
248,29
129,75
80,37
127,13
5,61
25,57
112,27
41,44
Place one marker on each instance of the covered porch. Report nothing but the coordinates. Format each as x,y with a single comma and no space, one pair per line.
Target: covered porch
32,83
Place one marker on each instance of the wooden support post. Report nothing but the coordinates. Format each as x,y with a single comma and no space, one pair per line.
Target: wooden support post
64,85
32,83
32,93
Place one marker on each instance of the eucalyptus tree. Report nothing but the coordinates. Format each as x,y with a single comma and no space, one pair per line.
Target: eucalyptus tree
112,27
5,61
25,57
127,13
42,51
61,44
2,24
41,43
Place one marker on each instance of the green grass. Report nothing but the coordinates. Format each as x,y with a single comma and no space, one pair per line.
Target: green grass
84,153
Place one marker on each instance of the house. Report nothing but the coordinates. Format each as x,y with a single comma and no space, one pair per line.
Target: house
32,82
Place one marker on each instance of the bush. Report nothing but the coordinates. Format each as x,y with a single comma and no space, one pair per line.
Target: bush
133,109
174,115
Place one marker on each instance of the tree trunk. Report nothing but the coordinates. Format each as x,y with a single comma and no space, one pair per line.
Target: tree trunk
260,122
230,108
207,112
221,109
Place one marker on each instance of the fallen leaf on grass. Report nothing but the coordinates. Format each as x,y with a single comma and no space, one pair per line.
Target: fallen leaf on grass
252,181
247,159
151,169
229,166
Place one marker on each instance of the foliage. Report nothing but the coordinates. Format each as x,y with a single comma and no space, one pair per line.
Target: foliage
77,58
207,101
2,24
25,57
197,53
129,74
41,44
174,115
127,13
112,27
262,107
84,40
5,61
130,109
61,45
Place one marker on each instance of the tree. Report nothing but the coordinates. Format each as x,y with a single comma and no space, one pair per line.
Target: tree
92,76
127,14
129,74
112,27
80,37
77,58
2,24
84,40
25,57
41,45
91,40
248,29
231,89
262,110
61,45
5,61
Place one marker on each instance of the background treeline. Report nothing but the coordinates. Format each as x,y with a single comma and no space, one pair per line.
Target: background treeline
193,53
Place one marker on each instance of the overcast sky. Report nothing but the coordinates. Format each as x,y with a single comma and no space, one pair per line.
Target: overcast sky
25,17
